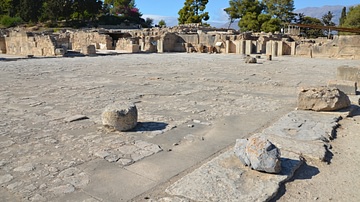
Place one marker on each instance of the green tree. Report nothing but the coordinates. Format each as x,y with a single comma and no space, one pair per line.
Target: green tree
52,9
269,24
149,22
342,17
353,17
326,19
193,12
280,9
247,11
162,23
5,6
299,18
233,11
311,32
239,8
30,10
249,22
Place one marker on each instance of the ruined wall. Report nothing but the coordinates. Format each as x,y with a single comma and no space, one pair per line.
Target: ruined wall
23,43
101,41
129,45
63,40
340,47
192,38
149,44
171,42
2,45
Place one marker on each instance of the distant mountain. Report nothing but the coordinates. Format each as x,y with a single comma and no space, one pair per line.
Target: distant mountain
318,12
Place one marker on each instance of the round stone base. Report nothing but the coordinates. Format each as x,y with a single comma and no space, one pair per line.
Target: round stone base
120,116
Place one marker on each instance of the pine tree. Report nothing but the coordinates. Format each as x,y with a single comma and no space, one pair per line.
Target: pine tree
353,17
162,23
280,9
342,17
193,12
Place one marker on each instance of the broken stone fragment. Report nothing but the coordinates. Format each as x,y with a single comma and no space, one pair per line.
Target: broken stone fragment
258,153
250,60
120,116
322,99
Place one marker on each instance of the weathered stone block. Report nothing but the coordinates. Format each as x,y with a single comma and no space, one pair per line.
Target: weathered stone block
88,50
348,87
120,116
348,73
322,99
259,153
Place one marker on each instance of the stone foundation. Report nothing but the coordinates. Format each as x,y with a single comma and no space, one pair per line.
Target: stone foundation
179,39
25,43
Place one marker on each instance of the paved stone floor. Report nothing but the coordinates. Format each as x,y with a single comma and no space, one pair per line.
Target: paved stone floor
191,107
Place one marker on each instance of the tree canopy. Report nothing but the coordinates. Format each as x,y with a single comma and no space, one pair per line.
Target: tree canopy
109,11
265,15
193,12
353,17
311,32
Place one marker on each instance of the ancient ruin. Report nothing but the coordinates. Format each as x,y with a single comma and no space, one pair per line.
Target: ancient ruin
189,38
56,114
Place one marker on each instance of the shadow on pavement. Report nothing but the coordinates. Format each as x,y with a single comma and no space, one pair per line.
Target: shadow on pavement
149,126
304,172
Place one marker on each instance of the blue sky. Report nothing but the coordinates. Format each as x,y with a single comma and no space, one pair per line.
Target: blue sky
168,9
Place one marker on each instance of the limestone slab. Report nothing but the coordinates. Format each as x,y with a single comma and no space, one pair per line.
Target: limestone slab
225,179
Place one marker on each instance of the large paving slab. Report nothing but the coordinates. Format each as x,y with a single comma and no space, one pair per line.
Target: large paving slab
225,179
298,134
180,98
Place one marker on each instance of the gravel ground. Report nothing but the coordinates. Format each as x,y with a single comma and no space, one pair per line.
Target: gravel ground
41,152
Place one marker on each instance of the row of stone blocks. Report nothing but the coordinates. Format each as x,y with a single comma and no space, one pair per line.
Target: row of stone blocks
260,154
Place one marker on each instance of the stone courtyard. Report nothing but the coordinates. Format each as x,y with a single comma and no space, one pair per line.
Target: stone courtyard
191,107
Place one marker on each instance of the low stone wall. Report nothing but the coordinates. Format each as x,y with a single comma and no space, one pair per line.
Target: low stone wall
128,45
23,43
81,38
347,47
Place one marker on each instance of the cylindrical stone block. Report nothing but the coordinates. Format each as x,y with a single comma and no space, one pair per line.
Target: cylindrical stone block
120,116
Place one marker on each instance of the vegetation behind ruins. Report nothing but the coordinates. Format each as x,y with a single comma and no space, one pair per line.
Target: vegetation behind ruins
272,15
74,13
